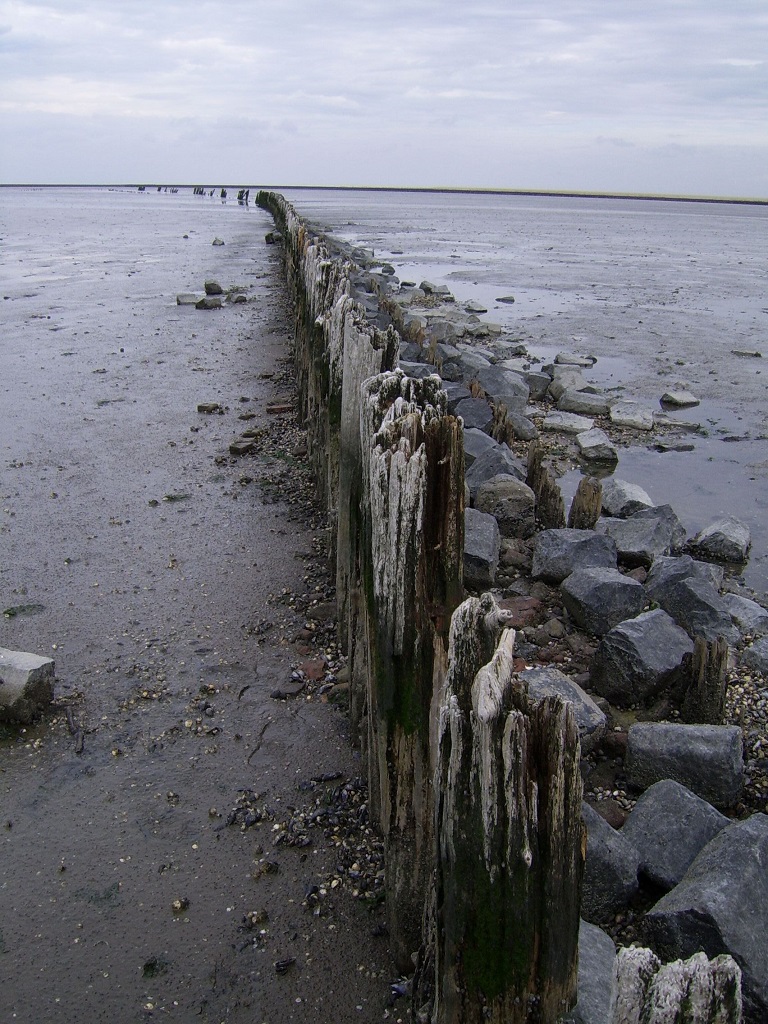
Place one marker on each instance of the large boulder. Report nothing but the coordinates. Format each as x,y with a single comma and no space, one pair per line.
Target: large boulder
511,502
598,599
707,759
696,606
670,569
504,386
481,549
622,499
566,378
631,415
669,826
595,446
638,658
610,871
597,952
590,720
583,403
26,685
476,443
456,393
755,656
558,553
475,412
726,540
748,615
567,423
495,461
721,906
644,535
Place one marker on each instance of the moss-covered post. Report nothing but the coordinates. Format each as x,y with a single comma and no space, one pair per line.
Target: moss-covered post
410,559
510,844
695,991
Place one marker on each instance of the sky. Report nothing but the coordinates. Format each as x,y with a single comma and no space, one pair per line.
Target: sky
663,96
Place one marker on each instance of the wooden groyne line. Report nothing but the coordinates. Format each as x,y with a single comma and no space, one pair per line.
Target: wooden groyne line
475,787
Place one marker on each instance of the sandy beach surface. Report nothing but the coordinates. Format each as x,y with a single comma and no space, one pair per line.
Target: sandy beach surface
176,587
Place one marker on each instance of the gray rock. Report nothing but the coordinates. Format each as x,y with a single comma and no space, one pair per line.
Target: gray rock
756,656
188,298
557,553
610,872
537,384
456,393
218,241
511,502
476,443
670,569
636,659
622,499
596,446
504,386
496,460
481,549
574,359
679,399
583,403
26,685
509,299
471,362
590,720
476,412
631,415
721,906
707,759
416,370
645,535
567,423
726,540
748,615
695,605
669,826
445,352
565,379
441,330
598,599
523,428
209,302
473,306
597,952
213,288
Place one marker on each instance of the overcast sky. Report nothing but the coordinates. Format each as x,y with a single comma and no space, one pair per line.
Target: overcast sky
621,95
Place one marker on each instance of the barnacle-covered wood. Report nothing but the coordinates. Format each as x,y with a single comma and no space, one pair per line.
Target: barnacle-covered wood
550,508
410,558
510,846
695,991
704,701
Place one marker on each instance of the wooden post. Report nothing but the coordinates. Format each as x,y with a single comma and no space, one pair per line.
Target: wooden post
704,701
586,505
550,508
695,991
410,561
510,842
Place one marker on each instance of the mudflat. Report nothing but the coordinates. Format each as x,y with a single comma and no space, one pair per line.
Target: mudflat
162,854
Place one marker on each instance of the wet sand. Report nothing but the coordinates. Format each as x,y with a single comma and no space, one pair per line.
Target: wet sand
169,581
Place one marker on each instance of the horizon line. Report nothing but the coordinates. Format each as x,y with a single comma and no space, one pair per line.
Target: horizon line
427,189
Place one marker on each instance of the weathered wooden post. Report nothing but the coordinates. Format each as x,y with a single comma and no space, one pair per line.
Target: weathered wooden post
695,991
586,505
550,507
510,842
704,700
410,555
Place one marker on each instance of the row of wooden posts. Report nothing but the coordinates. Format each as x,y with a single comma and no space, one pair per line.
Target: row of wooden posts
476,789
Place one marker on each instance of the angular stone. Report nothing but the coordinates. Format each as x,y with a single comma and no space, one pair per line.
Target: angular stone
493,462
636,659
213,288
471,362
476,412
481,549
721,906
596,446
26,685
622,499
598,599
416,370
523,428
473,306
631,415
564,379
679,399
567,423
590,720
574,359
242,446
610,872
504,386
669,826
511,502
726,540
645,535
748,615
456,393
557,553
756,656
188,298
695,605
209,302
537,384
707,759
670,569
583,403
597,952
476,443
